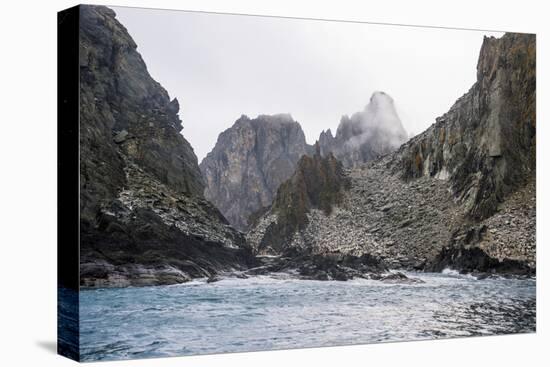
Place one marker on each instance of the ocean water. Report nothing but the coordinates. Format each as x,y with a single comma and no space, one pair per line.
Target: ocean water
261,313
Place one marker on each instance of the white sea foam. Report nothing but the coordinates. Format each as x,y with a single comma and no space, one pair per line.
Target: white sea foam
449,271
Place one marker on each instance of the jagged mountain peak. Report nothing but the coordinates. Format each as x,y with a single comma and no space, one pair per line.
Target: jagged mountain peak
380,120
380,98
374,131
249,162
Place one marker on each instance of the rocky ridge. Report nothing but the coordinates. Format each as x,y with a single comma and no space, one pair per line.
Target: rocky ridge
255,156
144,219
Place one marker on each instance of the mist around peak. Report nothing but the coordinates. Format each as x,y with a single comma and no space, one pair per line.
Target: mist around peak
375,131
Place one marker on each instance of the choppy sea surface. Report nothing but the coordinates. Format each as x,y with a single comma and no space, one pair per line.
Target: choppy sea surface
261,313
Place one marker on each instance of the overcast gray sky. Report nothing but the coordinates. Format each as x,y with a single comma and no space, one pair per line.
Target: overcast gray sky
222,66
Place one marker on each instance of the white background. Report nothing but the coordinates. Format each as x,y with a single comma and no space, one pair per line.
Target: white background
28,183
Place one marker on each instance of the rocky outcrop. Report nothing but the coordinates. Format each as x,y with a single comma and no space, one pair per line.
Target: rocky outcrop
485,145
249,162
318,183
459,195
144,219
475,260
484,148
124,112
366,135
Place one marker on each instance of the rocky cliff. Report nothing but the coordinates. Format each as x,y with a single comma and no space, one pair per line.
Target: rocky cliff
461,194
366,135
144,219
249,162
485,145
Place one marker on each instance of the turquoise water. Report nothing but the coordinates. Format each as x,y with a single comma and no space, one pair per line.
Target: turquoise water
260,313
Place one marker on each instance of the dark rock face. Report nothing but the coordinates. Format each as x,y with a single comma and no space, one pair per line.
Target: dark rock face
249,162
125,112
366,135
143,216
467,184
485,145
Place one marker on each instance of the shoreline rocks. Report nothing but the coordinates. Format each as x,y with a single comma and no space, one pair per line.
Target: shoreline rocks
475,261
